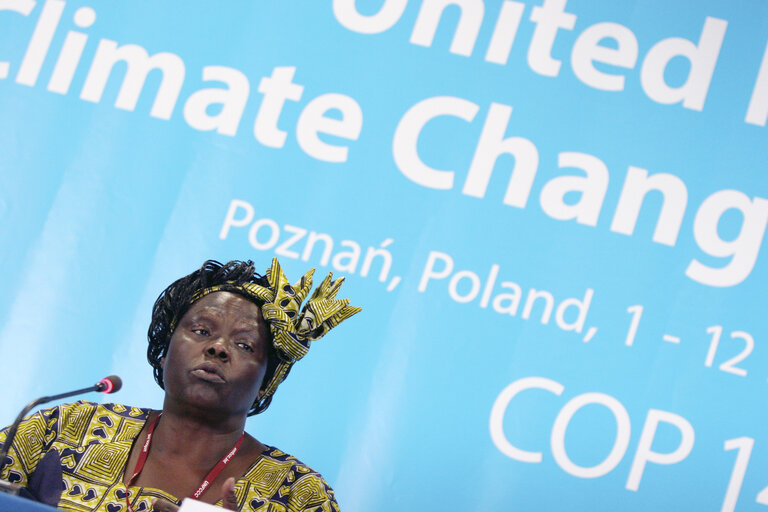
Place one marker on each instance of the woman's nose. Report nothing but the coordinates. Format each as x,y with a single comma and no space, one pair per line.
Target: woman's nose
218,349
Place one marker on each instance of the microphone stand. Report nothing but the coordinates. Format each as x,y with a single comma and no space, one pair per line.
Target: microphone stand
13,488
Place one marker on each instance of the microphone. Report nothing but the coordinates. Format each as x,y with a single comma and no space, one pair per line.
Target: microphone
109,384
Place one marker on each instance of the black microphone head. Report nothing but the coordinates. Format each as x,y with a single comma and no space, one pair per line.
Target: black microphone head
110,384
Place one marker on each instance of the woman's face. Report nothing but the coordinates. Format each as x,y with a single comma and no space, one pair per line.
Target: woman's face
217,356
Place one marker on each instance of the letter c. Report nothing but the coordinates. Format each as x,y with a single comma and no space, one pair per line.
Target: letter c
500,407
405,143
22,7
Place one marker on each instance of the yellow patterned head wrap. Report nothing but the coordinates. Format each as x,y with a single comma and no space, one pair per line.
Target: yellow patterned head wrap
293,328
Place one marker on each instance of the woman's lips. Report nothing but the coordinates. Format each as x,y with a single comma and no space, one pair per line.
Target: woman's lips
206,375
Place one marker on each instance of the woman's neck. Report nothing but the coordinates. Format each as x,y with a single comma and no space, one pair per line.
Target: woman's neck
201,438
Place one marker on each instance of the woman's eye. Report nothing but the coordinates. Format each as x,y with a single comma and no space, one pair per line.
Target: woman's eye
245,347
201,331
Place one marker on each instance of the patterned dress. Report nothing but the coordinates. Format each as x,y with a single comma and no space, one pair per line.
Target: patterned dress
73,457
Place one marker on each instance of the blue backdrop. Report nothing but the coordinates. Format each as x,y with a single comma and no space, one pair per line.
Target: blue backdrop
553,214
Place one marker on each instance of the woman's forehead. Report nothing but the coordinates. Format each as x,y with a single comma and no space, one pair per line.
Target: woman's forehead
226,303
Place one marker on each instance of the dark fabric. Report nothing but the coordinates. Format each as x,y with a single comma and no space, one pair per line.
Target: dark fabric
46,484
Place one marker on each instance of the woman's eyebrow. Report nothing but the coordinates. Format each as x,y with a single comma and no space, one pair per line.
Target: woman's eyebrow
249,324
206,313
214,313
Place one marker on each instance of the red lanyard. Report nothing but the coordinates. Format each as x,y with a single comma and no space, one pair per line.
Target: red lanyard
210,477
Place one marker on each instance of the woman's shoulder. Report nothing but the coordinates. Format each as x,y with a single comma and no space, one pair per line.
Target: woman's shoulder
77,421
86,411
276,456
277,475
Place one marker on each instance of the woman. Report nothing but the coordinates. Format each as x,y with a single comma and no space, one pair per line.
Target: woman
221,340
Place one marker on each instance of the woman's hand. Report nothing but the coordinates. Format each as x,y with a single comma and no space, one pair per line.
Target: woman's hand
229,501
